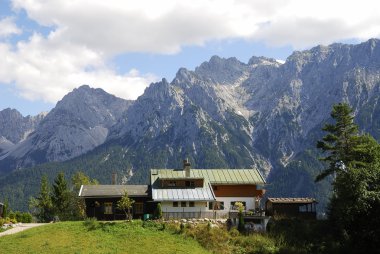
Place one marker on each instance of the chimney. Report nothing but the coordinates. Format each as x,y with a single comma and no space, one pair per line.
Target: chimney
114,178
186,167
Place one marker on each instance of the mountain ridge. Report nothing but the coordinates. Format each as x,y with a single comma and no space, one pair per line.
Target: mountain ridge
229,114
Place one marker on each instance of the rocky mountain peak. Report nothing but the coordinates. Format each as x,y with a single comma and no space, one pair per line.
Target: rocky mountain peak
79,123
222,70
15,127
261,60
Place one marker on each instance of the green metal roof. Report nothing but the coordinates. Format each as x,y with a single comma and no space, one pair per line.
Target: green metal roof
214,176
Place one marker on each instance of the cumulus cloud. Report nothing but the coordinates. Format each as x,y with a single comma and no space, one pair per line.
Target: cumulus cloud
86,34
42,71
8,27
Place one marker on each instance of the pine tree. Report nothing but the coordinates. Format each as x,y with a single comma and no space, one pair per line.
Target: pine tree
42,203
61,197
342,143
355,162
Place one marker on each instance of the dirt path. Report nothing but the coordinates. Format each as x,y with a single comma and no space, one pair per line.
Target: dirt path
20,228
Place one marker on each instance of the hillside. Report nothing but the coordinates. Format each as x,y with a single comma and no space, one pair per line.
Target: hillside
73,237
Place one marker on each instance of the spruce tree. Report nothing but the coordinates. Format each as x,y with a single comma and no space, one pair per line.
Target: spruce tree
355,162
61,197
342,143
42,203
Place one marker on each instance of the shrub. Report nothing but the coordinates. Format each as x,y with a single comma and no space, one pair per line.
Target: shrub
18,216
182,228
12,216
152,225
213,239
91,224
158,212
234,232
26,218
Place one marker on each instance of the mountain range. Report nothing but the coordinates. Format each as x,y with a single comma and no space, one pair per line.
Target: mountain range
224,114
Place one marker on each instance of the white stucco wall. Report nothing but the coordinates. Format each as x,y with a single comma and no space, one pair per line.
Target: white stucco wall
250,202
198,207
203,206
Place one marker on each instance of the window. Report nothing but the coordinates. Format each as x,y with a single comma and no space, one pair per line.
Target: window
108,208
138,208
218,205
175,204
183,204
172,184
302,208
191,204
190,184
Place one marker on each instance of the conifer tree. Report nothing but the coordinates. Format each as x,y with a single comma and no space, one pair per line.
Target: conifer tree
342,143
355,162
61,197
42,203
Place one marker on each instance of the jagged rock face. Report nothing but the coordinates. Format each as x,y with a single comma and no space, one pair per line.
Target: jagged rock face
79,123
263,111
15,127
224,114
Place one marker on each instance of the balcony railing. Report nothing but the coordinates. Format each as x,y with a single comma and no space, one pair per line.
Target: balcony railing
195,215
210,214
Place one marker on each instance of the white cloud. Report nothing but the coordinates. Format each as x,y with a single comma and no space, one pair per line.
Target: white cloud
43,70
8,27
86,34
165,26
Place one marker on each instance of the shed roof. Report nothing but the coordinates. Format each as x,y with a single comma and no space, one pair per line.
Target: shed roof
214,176
113,190
292,200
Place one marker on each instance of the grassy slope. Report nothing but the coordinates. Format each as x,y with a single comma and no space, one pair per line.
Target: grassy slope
73,237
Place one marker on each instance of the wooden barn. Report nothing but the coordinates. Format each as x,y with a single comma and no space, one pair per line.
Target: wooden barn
304,208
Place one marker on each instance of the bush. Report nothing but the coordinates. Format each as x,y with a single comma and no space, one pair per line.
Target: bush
12,216
158,212
91,224
213,239
26,218
255,243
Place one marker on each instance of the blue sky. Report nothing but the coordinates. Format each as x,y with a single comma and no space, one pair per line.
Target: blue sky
48,48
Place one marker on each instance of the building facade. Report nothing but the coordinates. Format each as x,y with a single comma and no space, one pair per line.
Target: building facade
101,201
200,193
303,208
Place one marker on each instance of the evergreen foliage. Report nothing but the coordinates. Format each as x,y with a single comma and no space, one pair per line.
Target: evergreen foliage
341,143
158,211
42,205
61,197
5,209
355,162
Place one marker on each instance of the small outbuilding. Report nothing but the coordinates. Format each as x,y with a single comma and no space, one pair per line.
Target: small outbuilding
101,200
304,208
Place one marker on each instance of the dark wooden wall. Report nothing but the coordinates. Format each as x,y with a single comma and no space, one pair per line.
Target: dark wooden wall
92,210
